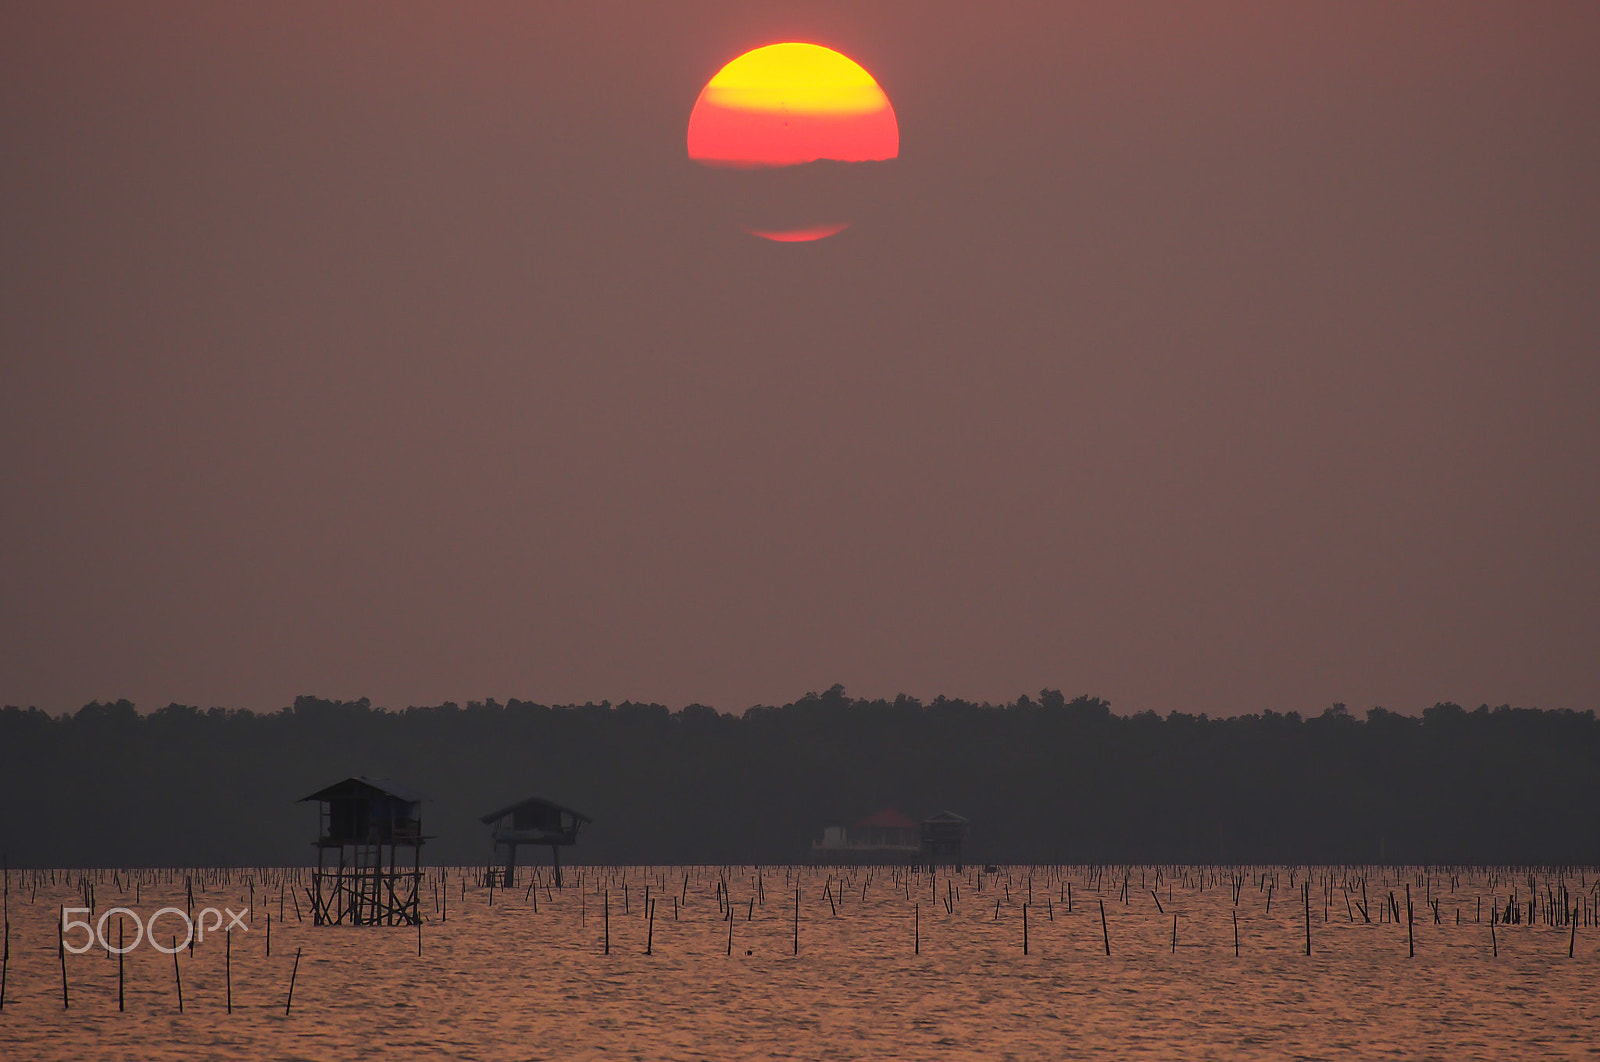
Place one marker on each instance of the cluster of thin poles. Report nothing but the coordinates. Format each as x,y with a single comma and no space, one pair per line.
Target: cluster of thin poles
1553,896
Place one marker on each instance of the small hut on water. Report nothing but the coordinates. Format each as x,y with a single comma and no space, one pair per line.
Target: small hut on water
358,819
942,838
533,821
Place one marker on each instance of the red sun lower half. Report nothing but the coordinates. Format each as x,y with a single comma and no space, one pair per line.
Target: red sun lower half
800,108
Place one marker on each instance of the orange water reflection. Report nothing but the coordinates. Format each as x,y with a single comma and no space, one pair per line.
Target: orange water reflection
891,964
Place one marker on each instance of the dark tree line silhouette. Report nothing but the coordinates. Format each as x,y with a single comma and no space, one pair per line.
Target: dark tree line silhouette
1044,779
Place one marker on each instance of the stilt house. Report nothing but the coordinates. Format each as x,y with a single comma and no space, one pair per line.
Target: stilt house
366,826
942,837
534,821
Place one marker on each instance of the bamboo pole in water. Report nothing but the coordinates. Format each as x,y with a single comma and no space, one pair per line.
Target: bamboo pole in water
1411,943
1105,933
61,951
290,1001
1307,887
177,975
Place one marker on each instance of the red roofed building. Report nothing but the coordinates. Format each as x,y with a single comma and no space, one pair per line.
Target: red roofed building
886,834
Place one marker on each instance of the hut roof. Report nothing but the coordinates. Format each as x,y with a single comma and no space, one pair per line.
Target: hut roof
888,819
945,816
530,803
358,786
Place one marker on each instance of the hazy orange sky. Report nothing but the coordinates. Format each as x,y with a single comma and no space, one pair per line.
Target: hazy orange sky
1212,357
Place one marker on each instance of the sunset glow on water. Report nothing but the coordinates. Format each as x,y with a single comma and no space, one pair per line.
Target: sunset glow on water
884,969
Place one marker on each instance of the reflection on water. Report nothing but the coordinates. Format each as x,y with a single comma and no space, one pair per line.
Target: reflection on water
891,964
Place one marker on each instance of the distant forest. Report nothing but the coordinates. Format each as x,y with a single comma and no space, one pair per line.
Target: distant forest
1042,780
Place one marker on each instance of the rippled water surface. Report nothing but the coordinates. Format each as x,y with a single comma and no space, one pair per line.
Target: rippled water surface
502,979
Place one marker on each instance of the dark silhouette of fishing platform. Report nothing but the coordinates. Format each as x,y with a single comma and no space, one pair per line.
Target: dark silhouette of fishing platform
534,821
358,819
943,836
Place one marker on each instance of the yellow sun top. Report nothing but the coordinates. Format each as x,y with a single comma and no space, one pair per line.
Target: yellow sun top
795,77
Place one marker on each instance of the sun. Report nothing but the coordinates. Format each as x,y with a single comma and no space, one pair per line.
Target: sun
786,104
792,104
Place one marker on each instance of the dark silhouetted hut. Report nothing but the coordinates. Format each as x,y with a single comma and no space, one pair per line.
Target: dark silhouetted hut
942,837
534,821
367,822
